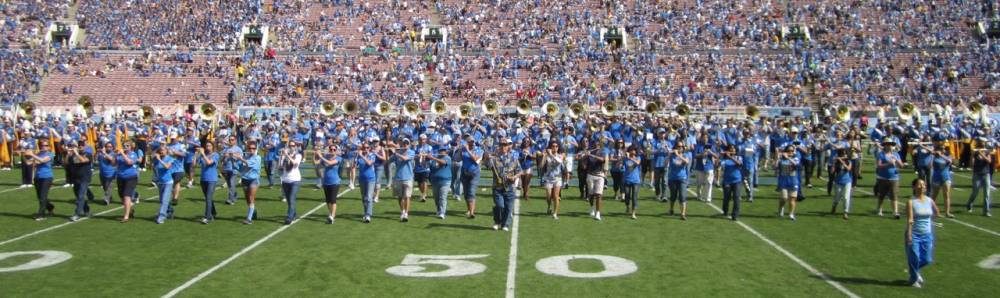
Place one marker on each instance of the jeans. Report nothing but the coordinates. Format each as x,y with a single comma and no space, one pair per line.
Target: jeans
268,171
842,192
678,190
42,186
470,181
208,189
660,183
456,184
631,195
749,180
231,185
290,190
440,190
503,206
980,182
919,253
368,196
106,186
80,188
166,210
731,193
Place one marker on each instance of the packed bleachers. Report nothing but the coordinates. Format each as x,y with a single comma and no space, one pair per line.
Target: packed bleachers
24,22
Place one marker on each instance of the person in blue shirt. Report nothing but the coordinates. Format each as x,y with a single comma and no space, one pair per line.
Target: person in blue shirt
678,162
941,177
617,170
366,177
553,163
632,164
126,160
178,150
79,167
422,170
330,161
526,155
921,212
440,165
472,154
981,166
272,145
163,163
785,168
731,165
42,163
704,167
208,160
106,170
191,147
249,167
661,149
230,167
923,156
841,173
887,175
402,182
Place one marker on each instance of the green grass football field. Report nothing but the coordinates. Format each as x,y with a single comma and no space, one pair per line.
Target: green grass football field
656,255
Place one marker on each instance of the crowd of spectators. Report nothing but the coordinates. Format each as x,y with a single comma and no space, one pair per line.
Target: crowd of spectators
166,24
24,22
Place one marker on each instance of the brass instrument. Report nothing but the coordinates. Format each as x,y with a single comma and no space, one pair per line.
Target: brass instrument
652,107
147,114
843,113
411,109
26,110
609,108
551,109
938,109
327,108
465,110
880,114
752,112
382,108
906,112
439,107
948,112
523,107
208,111
350,107
975,111
682,110
490,107
576,110
85,105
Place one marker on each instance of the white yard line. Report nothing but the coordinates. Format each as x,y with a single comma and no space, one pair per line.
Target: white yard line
512,264
242,252
988,231
20,188
64,224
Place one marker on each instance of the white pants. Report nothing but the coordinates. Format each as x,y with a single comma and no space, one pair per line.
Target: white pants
705,180
842,192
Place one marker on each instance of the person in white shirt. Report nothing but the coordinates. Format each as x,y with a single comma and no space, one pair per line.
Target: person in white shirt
291,177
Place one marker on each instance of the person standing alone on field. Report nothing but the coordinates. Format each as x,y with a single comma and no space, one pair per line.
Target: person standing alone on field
919,232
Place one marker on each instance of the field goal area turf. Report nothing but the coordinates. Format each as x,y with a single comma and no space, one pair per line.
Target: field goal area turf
761,255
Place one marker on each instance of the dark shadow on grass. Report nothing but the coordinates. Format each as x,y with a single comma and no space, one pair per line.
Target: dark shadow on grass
435,225
867,281
15,215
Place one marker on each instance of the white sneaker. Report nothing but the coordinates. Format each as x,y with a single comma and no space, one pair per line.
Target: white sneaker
441,216
792,216
592,212
597,216
67,185
496,227
351,186
506,229
554,216
458,198
190,184
880,213
781,213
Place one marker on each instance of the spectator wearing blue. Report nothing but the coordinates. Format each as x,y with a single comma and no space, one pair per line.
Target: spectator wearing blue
472,154
330,161
402,181
366,177
249,168
632,176
842,172
941,177
163,164
106,170
230,168
981,165
128,177
208,160
440,165
678,162
887,175
919,232
42,163
731,165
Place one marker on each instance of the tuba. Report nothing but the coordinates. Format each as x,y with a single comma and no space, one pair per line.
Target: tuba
576,110
350,107
752,112
327,108
975,111
609,108
490,107
843,113
411,109
523,107
551,109
465,110
439,107
26,110
383,108
85,105
147,114
652,107
208,111
880,114
682,110
906,112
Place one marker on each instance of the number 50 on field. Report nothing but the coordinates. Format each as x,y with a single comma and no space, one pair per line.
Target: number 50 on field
463,265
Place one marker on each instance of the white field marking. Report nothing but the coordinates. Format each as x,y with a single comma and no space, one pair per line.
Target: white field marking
788,254
20,188
64,224
242,252
953,220
992,262
48,258
613,266
512,264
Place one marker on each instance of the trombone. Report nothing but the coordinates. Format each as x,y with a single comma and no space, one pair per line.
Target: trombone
490,107
439,107
350,106
551,109
576,110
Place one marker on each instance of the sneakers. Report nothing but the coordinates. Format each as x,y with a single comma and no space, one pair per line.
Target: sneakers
329,220
896,215
441,216
74,218
458,197
283,200
107,202
792,217
555,216
351,186
506,229
288,222
403,218
190,184
880,213
633,216
366,219
496,227
67,185
597,216
423,199
205,221
228,202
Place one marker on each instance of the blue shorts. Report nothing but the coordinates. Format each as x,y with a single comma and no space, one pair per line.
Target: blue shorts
250,183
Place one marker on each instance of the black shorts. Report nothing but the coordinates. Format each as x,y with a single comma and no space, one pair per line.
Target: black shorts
331,191
647,165
177,177
126,187
423,177
187,167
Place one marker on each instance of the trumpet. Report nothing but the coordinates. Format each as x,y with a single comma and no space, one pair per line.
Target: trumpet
609,108
26,110
147,114
411,109
439,107
85,105
551,109
465,110
208,111
523,107
350,106
327,108
752,112
383,108
490,107
576,110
